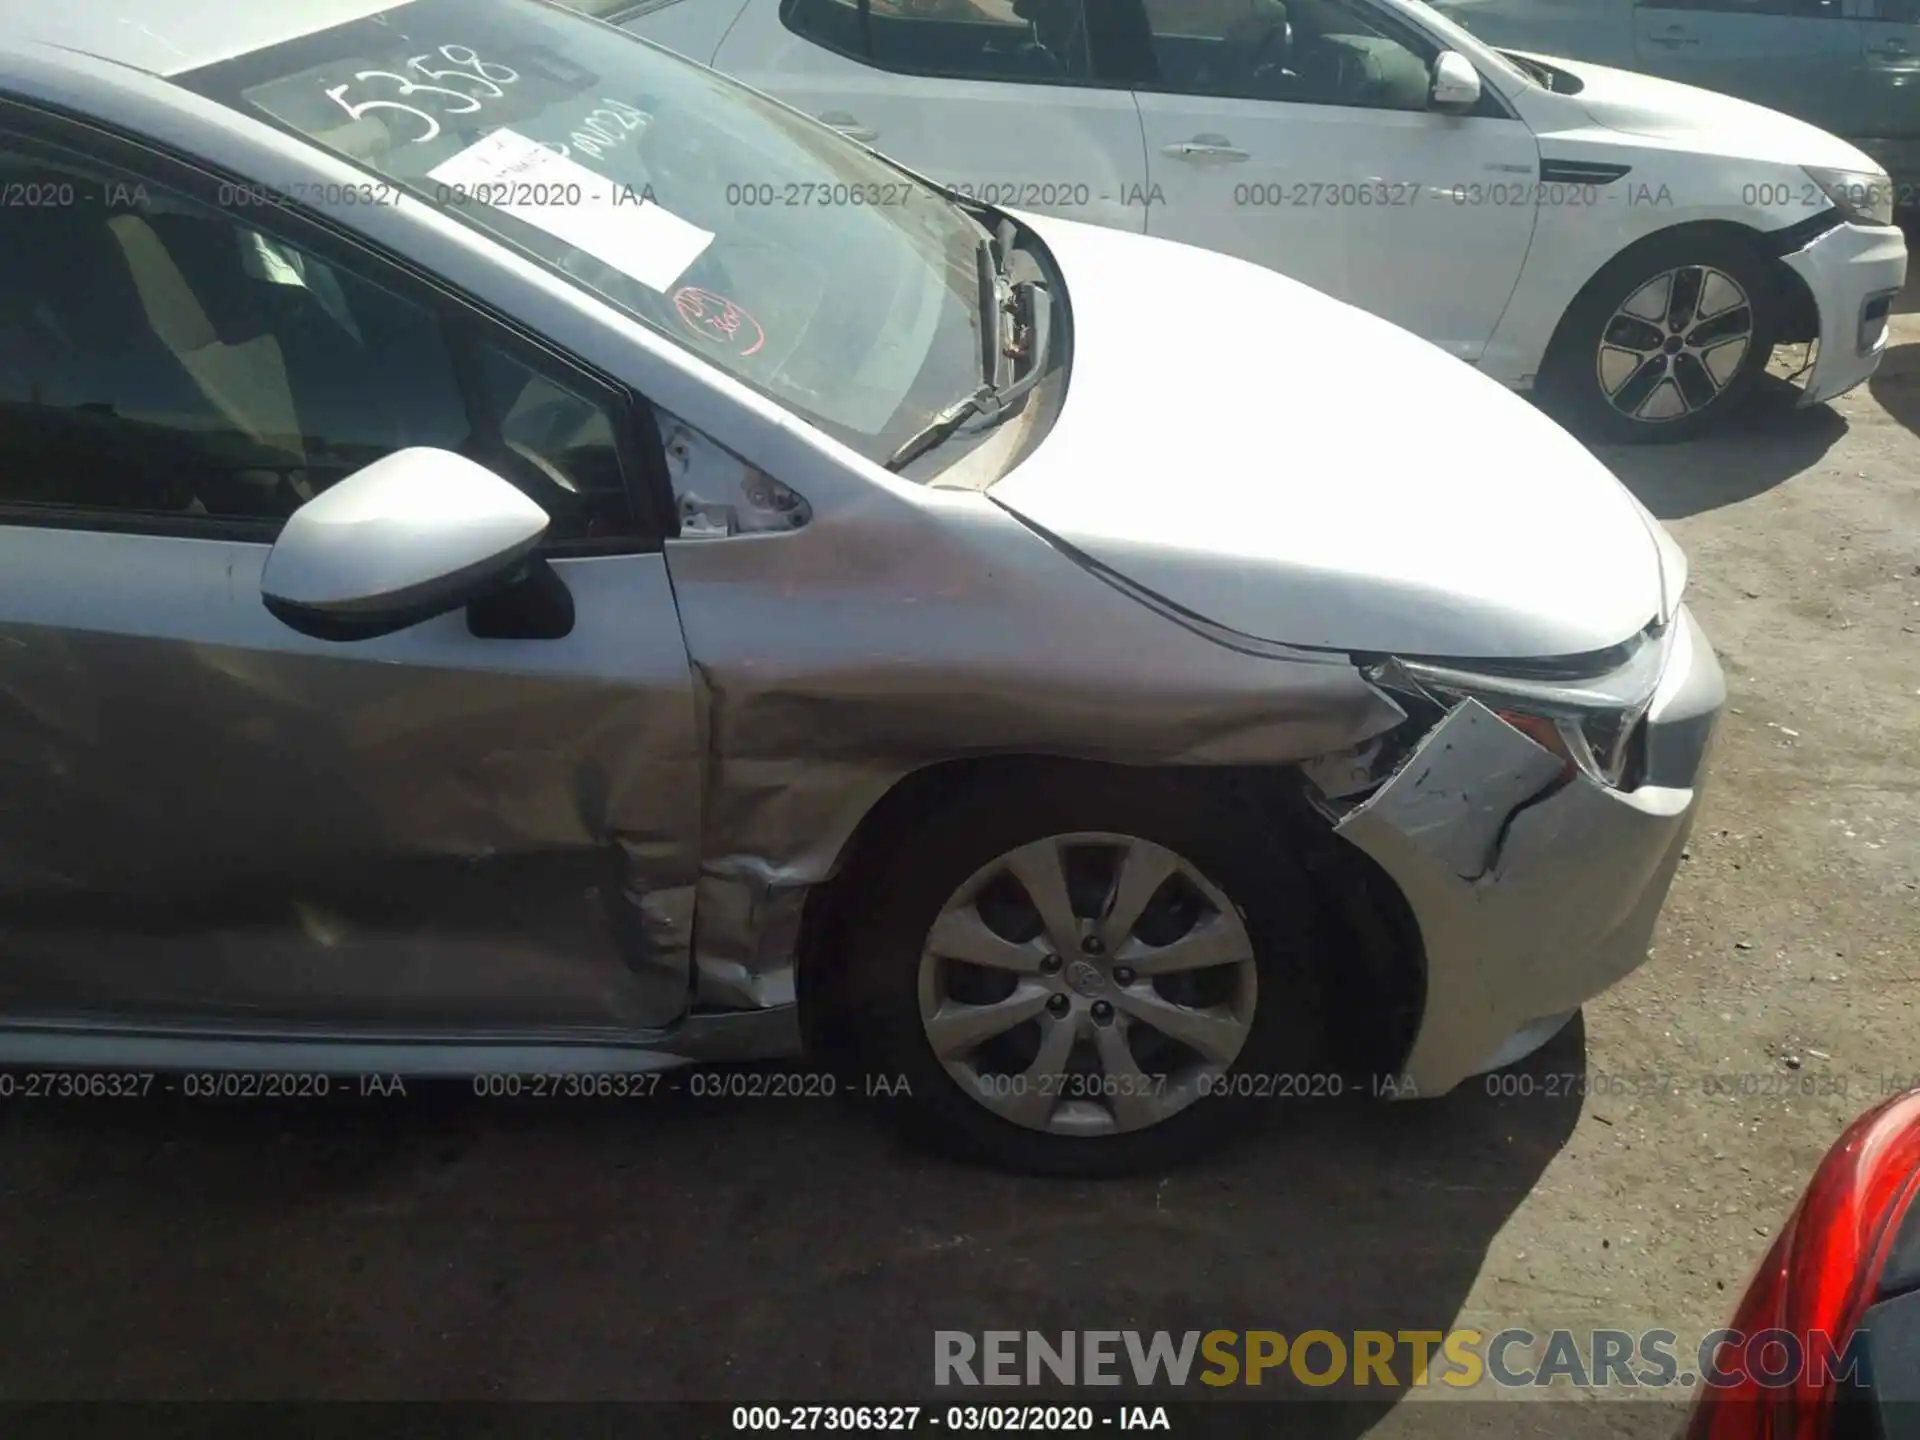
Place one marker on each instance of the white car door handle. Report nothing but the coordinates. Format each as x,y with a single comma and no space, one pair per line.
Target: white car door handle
1673,37
849,127
1206,150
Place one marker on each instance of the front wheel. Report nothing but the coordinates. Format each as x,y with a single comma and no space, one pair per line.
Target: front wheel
1666,342
1087,974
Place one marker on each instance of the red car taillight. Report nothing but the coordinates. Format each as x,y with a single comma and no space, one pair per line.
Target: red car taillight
1819,1278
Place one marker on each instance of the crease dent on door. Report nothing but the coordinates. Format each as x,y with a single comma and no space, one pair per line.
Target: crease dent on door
524,815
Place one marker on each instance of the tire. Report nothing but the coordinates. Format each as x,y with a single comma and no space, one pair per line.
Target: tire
1712,381
1230,871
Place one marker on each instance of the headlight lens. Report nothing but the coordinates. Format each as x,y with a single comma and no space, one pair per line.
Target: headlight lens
1588,723
1863,196
1557,737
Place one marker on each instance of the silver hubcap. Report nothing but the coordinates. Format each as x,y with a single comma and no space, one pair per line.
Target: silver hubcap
1087,984
1675,345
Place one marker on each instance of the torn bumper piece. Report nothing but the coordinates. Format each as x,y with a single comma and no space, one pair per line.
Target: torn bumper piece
1532,900
1852,271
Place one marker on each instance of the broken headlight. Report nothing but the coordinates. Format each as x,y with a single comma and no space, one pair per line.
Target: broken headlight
1586,710
1864,197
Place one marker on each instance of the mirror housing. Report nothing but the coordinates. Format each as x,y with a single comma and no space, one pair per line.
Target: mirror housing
1456,84
409,537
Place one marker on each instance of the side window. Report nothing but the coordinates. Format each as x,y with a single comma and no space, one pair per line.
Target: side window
570,439
1800,9
1308,52
1034,41
165,359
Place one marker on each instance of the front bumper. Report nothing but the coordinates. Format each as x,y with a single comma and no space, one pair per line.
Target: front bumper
1852,271
1529,907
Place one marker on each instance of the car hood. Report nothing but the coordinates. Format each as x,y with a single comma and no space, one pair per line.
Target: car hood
1631,104
1294,469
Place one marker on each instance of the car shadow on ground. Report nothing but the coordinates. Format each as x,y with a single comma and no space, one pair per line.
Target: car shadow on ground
1896,384
682,1246
1767,445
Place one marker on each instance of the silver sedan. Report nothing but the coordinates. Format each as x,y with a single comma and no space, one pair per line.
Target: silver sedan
520,557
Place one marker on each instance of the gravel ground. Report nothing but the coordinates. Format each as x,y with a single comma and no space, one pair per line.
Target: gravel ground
440,1247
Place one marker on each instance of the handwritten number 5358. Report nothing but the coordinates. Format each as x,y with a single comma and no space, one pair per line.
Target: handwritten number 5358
469,68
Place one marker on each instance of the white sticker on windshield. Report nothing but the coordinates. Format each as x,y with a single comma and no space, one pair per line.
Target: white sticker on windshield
609,221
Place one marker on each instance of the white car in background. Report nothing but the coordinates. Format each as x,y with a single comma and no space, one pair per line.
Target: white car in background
1630,248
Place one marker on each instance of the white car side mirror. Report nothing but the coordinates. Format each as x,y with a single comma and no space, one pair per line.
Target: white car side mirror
1456,84
409,537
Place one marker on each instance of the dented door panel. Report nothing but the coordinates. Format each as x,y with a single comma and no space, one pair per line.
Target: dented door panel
207,814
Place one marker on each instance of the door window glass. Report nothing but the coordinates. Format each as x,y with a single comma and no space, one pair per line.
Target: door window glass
559,446
1018,40
167,359
1309,52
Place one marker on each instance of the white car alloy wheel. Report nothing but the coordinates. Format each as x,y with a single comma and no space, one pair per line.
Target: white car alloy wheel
1087,1026
1676,344
1667,341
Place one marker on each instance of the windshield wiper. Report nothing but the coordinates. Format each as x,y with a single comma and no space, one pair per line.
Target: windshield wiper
992,402
993,313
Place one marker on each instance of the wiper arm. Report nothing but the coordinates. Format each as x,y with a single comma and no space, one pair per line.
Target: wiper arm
942,425
991,402
993,310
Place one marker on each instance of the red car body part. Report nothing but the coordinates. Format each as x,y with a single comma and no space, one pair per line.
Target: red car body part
1817,1283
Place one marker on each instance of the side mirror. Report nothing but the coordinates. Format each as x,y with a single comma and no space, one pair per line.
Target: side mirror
1456,84
407,538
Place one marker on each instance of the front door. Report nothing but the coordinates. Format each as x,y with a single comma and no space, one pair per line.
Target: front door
1298,136
1889,51
1800,57
206,815
996,98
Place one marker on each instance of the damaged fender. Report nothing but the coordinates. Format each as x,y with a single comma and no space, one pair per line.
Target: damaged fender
835,661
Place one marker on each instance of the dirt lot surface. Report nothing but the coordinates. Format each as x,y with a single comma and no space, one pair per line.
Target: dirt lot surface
442,1247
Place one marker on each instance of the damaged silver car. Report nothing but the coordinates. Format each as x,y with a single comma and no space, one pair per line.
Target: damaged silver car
521,556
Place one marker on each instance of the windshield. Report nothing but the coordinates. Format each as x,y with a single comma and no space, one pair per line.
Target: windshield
788,256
